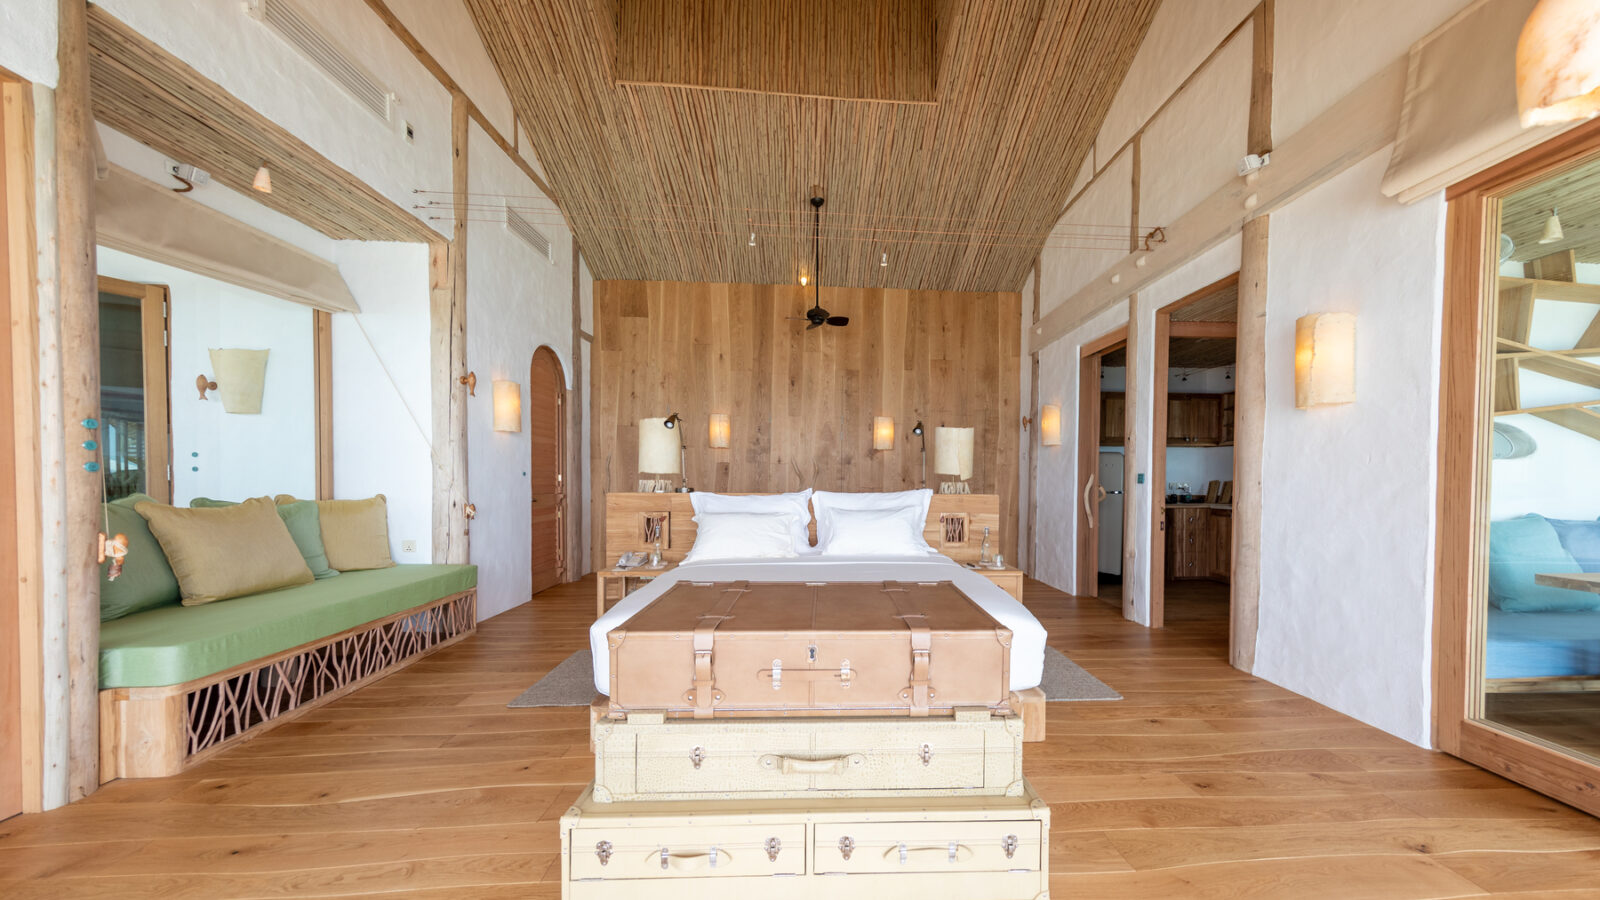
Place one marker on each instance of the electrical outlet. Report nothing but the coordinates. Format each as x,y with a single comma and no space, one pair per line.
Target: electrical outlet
408,546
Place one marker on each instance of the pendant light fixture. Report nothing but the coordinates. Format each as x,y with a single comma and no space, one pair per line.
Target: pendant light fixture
263,180
1552,229
816,315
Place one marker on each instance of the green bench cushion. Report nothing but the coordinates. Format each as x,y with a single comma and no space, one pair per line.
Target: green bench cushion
174,644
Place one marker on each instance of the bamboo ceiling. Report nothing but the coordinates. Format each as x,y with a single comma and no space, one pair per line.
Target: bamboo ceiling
1576,195
668,181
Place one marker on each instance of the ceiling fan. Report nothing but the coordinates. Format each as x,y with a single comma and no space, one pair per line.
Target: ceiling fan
816,315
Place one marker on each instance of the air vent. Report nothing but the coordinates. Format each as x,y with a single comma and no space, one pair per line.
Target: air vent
306,36
524,229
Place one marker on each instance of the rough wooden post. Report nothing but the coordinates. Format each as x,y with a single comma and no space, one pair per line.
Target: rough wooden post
448,327
572,485
80,393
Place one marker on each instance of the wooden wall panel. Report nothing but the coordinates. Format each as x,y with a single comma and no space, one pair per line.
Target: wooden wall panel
801,403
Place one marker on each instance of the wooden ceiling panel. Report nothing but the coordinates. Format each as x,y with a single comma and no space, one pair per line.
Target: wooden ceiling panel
664,182
1576,194
145,92
1201,353
1222,306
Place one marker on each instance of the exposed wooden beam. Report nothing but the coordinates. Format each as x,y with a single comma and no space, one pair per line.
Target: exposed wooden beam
1544,289
1203,329
1513,321
1555,365
1582,404
1584,421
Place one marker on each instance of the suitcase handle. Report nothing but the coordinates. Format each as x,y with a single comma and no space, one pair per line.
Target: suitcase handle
835,765
950,853
692,861
777,674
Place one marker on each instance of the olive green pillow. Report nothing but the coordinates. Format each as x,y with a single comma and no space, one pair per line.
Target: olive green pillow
354,532
301,519
146,581
226,552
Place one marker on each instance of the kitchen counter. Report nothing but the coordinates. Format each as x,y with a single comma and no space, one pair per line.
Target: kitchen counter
1200,506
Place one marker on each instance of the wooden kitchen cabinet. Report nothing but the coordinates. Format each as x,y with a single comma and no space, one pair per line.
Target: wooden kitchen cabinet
1194,420
1113,419
1199,542
1220,545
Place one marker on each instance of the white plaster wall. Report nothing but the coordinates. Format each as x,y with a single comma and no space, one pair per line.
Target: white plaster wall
1193,148
517,300
248,59
382,429
1072,257
223,455
28,39
1199,466
447,32
1347,491
1324,50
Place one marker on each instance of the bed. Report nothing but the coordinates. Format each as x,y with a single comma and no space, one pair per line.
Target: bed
1028,636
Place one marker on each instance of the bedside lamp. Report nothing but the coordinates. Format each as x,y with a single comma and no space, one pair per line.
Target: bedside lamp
952,455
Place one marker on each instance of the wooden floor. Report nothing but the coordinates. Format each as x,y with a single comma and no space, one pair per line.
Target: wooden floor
1203,782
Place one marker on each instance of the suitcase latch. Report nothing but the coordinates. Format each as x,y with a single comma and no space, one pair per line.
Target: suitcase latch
844,673
811,653
697,756
846,846
777,674
1009,845
926,754
603,850
773,845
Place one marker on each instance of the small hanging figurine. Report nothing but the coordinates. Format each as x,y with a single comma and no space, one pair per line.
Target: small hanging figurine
115,549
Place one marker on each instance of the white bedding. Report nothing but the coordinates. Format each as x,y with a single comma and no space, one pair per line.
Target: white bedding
1027,635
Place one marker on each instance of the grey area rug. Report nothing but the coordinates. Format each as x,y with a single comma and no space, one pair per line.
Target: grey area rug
572,683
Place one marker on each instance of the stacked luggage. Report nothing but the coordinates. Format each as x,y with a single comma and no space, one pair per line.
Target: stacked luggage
761,736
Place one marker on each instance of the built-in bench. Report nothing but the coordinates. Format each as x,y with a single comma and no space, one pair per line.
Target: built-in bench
178,684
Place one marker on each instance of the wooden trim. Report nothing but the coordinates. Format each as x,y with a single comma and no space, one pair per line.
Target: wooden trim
154,302
80,392
322,355
17,171
1543,684
1203,329
1105,342
148,732
1468,340
1029,542
572,481
1130,454
1158,466
1088,549
1263,33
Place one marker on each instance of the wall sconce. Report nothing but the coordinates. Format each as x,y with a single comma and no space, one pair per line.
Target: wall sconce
883,433
719,430
1050,425
507,406
242,375
952,455
1324,359
1558,63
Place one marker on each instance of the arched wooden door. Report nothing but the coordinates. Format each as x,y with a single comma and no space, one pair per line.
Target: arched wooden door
547,469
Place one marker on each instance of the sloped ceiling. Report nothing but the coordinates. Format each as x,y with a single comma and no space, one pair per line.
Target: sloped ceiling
943,133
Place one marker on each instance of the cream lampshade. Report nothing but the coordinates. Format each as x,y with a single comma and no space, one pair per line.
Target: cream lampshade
719,429
1558,63
883,433
952,455
241,376
1050,425
1324,359
658,447
507,406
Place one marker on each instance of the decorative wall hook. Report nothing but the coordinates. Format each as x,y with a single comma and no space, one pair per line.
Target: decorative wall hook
470,511
471,381
204,384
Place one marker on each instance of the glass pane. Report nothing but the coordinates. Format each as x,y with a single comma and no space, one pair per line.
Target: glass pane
1542,603
122,395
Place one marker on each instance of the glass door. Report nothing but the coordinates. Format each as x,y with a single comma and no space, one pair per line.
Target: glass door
134,424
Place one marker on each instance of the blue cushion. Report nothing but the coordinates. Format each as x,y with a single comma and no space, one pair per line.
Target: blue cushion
1521,548
1581,537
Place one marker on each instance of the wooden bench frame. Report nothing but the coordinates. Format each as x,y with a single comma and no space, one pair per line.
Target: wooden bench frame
149,732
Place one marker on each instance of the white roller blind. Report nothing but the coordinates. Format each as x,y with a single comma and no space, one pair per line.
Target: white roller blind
148,220
1460,111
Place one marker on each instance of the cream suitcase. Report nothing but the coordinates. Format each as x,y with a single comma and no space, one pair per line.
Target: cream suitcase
973,848
648,757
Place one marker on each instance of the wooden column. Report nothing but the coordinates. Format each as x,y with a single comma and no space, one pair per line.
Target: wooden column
1250,375
572,481
322,368
80,393
1130,463
448,301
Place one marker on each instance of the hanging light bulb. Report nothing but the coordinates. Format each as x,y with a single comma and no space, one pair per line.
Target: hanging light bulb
1552,229
885,260
804,280
752,238
263,181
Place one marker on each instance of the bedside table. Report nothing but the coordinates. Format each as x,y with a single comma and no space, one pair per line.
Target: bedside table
614,584
1009,580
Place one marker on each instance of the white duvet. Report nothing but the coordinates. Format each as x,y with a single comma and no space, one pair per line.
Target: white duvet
1027,635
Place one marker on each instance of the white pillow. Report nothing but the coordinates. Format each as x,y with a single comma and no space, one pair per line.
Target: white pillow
776,504
875,532
826,502
742,536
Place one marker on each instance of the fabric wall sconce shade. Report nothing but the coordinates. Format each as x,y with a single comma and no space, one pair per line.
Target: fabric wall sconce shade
1050,425
1558,63
507,406
952,455
719,430
241,376
1324,359
883,433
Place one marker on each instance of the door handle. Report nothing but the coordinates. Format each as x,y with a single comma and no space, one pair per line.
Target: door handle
1088,489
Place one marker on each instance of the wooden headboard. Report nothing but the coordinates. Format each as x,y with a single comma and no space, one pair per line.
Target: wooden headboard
954,527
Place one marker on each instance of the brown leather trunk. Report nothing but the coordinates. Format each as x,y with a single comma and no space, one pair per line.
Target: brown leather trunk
794,649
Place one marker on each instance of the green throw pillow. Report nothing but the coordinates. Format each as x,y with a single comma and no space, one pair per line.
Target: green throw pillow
304,526
146,581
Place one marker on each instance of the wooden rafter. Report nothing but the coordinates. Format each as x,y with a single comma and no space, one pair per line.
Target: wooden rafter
1584,421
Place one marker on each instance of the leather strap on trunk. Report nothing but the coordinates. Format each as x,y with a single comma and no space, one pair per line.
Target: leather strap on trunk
705,628
918,693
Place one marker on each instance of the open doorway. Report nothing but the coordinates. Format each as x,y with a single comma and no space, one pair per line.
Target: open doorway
1192,467
547,432
1102,446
